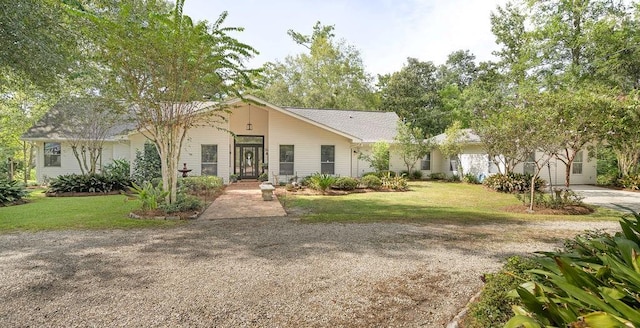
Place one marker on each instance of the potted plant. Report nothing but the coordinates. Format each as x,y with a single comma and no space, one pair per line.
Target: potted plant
233,178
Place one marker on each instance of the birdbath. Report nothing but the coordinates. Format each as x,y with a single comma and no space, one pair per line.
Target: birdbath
184,170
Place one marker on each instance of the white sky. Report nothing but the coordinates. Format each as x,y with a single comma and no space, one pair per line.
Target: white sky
385,31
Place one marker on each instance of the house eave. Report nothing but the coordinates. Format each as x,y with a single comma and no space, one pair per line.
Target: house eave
261,102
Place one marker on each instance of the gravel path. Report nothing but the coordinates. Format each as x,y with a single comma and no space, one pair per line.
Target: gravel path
271,272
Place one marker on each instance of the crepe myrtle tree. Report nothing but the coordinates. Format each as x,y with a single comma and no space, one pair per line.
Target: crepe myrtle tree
411,144
163,64
451,146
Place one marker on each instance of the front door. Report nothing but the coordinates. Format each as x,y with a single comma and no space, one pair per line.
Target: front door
249,165
249,152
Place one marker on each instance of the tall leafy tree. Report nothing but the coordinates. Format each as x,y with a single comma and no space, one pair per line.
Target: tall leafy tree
163,64
454,77
330,75
37,41
413,93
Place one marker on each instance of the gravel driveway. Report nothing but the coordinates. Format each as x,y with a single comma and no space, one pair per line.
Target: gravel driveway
273,272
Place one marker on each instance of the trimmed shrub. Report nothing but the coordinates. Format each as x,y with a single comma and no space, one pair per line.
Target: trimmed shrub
183,203
493,307
512,182
306,181
559,199
345,183
471,178
95,183
146,165
593,282
263,177
437,176
202,185
453,178
371,182
119,168
322,182
416,175
11,191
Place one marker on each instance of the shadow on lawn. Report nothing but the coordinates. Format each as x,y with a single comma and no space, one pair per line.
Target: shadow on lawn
376,210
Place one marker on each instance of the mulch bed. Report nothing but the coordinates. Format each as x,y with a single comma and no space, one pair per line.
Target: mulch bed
567,210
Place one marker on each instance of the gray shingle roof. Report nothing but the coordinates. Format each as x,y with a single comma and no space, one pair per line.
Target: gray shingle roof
365,125
58,122
468,136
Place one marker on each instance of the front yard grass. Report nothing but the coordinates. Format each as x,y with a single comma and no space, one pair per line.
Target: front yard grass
62,213
425,202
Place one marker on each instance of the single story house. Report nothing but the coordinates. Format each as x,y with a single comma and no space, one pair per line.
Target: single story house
475,160
283,142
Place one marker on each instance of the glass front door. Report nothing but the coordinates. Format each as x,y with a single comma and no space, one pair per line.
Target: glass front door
248,157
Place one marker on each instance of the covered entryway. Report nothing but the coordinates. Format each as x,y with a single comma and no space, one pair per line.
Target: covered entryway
248,156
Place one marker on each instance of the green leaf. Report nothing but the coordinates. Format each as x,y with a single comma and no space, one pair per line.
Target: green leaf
522,321
589,300
625,310
626,247
603,320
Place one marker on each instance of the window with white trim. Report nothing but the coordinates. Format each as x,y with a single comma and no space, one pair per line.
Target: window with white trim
286,159
52,154
209,160
576,166
327,159
425,164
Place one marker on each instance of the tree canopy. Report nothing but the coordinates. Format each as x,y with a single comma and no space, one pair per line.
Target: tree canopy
162,64
330,75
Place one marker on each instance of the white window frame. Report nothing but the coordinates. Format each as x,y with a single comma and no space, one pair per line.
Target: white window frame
326,163
287,162
577,165
52,152
425,164
212,164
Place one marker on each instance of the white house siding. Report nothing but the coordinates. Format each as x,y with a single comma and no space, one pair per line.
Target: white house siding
191,149
69,163
239,118
306,139
361,166
555,172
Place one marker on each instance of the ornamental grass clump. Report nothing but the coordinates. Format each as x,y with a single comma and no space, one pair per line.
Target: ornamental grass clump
322,182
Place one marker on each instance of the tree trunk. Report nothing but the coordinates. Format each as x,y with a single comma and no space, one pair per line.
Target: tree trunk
567,173
533,189
77,156
27,168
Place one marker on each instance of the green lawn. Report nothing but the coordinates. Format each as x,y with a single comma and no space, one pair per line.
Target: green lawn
426,201
61,213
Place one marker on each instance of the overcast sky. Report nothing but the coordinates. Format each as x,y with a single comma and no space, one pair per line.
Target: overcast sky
385,31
